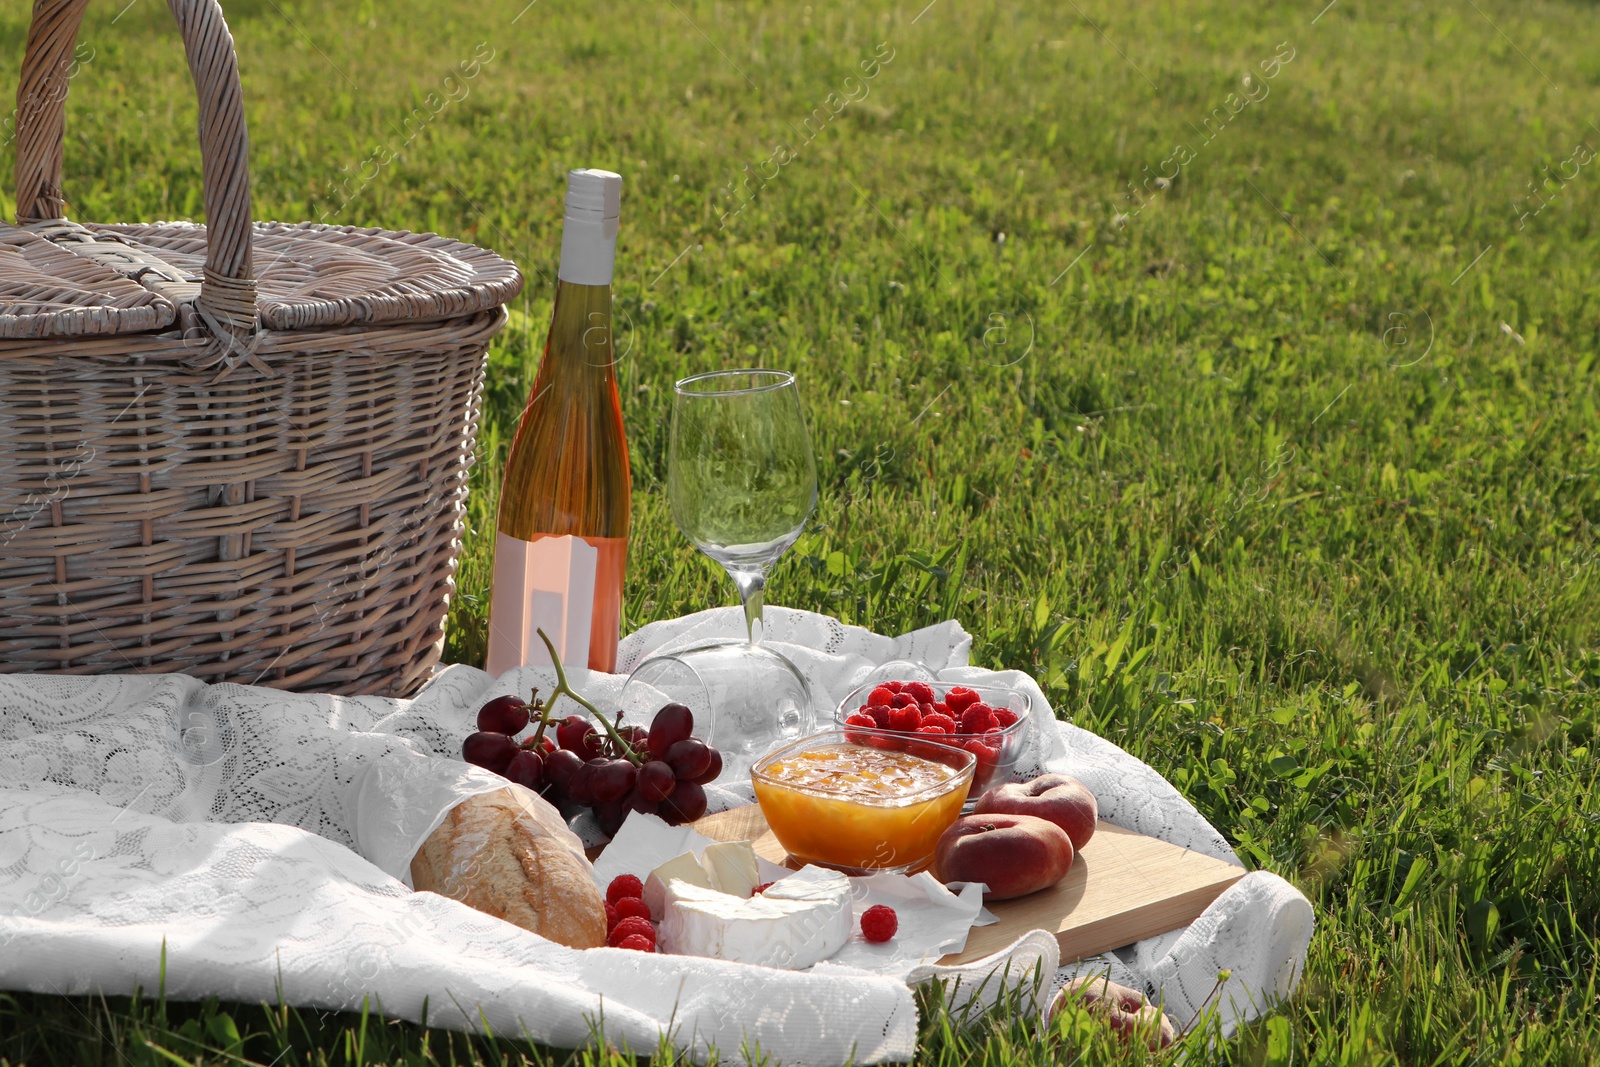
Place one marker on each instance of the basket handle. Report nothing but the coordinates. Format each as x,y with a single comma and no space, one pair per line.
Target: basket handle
227,298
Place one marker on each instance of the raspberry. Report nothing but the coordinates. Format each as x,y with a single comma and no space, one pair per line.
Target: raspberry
978,719
935,748
942,722
762,888
894,687
906,719
904,699
881,695
632,908
926,709
880,716
921,690
941,707
633,927
637,942
961,698
862,721
624,885
1006,717
987,756
888,742
611,917
879,923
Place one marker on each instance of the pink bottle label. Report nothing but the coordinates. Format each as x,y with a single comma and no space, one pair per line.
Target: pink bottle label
547,584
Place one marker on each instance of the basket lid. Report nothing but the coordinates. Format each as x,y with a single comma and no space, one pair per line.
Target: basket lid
307,275
46,291
245,275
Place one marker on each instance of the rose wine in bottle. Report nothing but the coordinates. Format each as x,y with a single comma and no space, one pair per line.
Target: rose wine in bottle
561,544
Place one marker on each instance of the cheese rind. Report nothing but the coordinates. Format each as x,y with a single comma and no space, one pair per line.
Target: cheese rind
732,866
788,926
684,868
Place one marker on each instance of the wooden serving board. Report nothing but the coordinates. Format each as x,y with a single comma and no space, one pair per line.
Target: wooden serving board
1122,887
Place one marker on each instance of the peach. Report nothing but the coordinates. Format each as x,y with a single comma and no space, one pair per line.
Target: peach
1125,1010
1013,855
1064,801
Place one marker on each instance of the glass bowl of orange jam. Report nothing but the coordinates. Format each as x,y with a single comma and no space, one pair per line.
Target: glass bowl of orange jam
860,809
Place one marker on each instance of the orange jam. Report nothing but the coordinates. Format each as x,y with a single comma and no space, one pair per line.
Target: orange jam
848,805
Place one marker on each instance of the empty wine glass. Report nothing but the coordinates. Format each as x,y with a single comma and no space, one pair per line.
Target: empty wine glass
741,483
741,479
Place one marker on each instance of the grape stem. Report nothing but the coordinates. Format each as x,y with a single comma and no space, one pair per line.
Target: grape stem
543,711
562,687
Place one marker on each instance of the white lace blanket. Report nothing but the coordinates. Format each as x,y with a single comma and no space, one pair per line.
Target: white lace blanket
260,842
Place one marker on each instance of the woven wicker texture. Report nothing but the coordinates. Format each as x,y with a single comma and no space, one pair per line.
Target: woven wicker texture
246,477
45,292
315,275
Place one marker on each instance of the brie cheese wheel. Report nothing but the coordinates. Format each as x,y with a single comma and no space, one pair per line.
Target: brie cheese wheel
684,868
802,919
732,867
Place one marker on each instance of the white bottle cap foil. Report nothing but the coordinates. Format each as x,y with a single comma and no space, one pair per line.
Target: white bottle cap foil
589,233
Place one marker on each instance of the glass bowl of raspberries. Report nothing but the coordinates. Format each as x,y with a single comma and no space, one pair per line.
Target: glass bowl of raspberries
987,721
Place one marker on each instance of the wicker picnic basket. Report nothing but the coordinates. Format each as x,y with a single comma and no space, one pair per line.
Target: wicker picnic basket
238,451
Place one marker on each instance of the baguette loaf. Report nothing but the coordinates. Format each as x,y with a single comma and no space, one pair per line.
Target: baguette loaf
508,854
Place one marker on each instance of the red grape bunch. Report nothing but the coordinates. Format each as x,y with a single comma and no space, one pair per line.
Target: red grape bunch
614,770
661,771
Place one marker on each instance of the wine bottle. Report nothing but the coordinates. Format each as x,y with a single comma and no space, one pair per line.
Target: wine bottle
564,502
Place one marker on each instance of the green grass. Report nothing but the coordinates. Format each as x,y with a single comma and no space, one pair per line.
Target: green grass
1285,483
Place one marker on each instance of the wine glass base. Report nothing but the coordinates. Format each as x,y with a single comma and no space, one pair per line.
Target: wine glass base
746,698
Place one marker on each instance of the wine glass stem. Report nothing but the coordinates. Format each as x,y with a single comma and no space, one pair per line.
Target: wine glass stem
753,593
